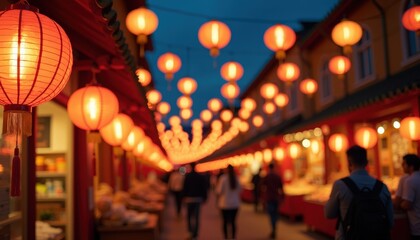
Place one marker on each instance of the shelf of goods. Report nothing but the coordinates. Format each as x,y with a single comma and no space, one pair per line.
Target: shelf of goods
51,181
293,198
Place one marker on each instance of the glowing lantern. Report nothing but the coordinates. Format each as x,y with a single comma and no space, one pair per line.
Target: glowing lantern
281,100
288,72
279,154
346,34
258,121
153,96
230,91
268,91
411,19
294,150
163,108
244,114
338,142
244,127
141,22
92,107
267,155
134,137
169,64
316,146
366,137
216,125
279,38
214,35
206,115
248,104
339,65
174,121
187,85
308,86
269,108
144,76
116,132
226,115
214,104
410,128
186,113
184,102
141,147
35,65
232,71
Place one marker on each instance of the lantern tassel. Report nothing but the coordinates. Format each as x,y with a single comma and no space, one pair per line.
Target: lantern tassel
15,181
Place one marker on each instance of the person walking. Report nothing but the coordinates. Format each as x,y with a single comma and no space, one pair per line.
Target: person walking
363,195
411,194
176,183
194,193
256,182
228,191
272,187
399,193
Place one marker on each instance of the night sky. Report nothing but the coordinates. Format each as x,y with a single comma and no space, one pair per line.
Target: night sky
177,32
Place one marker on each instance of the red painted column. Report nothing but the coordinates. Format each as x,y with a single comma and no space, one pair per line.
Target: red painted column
83,180
29,184
125,176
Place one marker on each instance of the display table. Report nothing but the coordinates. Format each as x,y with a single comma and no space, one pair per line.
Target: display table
153,209
292,206
313,217
147,231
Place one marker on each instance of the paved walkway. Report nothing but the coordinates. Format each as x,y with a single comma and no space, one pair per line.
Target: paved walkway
250,225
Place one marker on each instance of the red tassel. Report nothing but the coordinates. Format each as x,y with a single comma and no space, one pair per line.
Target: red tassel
15,183
94,165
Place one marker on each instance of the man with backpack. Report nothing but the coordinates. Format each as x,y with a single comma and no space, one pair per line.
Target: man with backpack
361,203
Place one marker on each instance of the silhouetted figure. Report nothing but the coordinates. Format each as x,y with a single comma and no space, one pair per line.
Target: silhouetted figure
256,181
194,193
272,187
176,183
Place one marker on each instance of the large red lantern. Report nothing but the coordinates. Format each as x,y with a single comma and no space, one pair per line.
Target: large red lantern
134,137
35,65
116,132
366,137
230,91
169,64
338,142
187,85
346,34
411,19
141,22
232,71
92,107
279,38
410,128
214,35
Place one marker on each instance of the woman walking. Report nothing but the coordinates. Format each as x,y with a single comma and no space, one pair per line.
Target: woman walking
228,192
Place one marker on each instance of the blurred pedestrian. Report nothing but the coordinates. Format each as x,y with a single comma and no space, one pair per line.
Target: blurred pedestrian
228,191
411,194
272,186
256,182
176,183
194,193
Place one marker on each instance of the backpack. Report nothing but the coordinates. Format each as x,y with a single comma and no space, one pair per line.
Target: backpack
366,217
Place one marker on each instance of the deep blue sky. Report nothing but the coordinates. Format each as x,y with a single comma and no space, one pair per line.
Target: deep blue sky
179,21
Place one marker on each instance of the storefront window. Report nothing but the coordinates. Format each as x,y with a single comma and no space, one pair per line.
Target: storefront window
363,58
326,83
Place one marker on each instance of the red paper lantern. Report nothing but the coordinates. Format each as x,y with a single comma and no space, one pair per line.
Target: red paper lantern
215,104
288,72
35,65
308,86
116,132
184,102
366,137
92,107
339,65
144,76
169,64
230,91
141,22
279,38
206,115
214,35
226,115
346,34
269,90
163,108
258,121
411,19
338,142
410,128
248,104
232,71
281,100
187,85
134,137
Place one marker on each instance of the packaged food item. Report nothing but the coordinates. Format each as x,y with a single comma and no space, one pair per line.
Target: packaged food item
61,164
40,163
